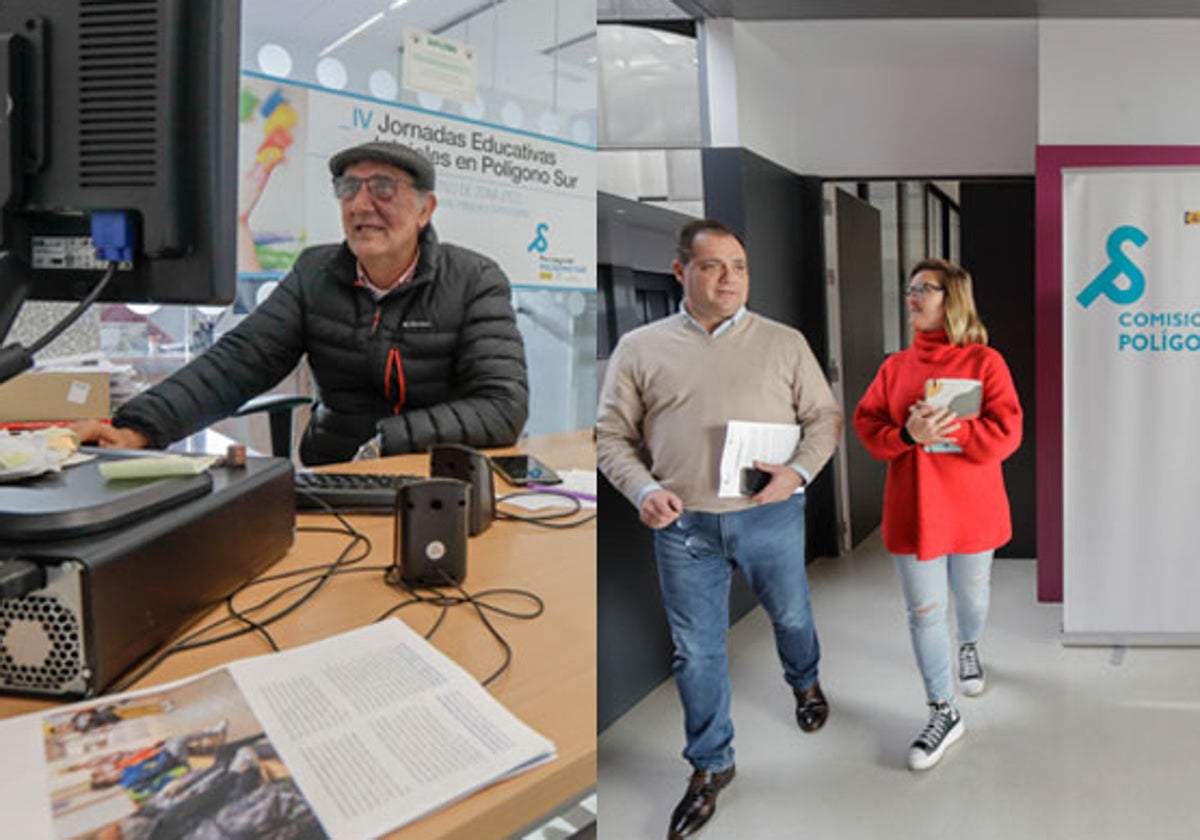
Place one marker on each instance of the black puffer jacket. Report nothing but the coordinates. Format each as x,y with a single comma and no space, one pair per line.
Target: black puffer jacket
439,360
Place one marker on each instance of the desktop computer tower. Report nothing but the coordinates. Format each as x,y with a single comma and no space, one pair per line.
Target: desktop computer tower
116,591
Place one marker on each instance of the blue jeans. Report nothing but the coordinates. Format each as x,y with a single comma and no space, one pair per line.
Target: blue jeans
696,555
927,585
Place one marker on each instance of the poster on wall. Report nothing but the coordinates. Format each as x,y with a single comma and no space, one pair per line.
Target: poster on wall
526,201
272,193
1131,360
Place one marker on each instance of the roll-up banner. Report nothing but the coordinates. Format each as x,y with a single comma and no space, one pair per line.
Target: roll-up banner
1131,399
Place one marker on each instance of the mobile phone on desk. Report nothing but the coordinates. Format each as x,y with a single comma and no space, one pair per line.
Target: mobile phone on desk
520,470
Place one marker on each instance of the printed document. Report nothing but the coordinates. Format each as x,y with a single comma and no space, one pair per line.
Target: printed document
746,442
349,737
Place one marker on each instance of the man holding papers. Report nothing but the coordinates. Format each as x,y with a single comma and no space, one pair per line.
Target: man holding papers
671,389
943,414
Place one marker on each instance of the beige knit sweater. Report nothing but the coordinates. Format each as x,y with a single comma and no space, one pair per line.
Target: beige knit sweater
670,389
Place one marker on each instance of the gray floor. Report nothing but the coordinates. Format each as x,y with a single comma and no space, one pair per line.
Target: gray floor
575,822
1066,743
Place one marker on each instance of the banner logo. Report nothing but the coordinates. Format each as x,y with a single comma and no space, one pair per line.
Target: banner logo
1120,264
1191,217
540,243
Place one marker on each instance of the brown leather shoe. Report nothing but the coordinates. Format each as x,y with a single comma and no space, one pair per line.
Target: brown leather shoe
699,803
811,708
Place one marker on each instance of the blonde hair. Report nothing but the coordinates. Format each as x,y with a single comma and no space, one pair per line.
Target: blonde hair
963,325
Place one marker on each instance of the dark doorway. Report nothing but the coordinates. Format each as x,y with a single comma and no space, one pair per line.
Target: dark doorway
998,250
860,313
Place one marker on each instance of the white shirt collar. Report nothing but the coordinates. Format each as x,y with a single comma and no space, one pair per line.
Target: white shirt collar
721,327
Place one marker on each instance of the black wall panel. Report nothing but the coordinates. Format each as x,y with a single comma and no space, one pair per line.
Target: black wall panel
779,214
998,250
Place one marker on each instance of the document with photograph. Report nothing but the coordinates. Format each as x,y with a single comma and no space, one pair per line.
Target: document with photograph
745,443
349,737
962,396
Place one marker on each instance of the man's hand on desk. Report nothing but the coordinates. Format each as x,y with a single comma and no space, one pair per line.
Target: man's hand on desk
373,448
109,437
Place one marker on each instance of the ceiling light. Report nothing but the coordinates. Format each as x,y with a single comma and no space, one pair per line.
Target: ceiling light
371,21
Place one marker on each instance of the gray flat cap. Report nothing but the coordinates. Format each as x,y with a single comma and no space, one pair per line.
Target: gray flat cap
396,154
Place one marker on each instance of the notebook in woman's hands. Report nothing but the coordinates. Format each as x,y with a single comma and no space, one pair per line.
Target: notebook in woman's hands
962,396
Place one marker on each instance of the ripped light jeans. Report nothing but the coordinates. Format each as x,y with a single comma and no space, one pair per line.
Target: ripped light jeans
927,586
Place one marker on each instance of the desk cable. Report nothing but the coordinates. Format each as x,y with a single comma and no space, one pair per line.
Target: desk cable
318,576
478,601
430,595
548,519
313,578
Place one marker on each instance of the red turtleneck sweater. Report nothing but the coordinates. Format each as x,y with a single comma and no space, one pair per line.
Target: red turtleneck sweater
942,503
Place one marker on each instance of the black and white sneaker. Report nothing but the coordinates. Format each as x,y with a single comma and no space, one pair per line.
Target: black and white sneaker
970,670
944,728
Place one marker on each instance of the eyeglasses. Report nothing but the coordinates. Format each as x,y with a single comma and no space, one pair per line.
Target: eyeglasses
922,289
381,187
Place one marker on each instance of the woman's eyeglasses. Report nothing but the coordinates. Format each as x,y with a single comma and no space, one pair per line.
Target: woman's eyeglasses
382,187
922,289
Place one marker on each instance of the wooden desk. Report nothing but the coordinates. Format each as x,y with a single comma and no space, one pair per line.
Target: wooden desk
551,683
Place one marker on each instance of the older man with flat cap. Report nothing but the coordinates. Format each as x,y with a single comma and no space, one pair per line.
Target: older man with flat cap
412,341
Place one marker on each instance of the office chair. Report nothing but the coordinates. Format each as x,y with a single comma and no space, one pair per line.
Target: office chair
279,409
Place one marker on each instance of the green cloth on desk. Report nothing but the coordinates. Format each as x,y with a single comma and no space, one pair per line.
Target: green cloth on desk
161,467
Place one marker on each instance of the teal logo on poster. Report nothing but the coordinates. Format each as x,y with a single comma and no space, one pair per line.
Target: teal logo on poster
554,267
540,243
1119,266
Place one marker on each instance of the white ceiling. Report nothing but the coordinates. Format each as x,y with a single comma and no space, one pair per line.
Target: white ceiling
313,21
631,10
627,10
569,25
539,54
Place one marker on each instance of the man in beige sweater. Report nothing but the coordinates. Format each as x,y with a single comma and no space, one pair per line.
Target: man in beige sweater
671,387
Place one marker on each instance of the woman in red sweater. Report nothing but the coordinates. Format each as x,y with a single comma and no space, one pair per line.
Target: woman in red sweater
945,509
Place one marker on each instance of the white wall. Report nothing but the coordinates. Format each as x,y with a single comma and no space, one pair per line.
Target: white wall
1119,82
719,96
908,98
937,97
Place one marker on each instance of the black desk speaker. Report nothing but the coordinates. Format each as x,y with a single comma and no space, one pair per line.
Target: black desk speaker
452,460
431,531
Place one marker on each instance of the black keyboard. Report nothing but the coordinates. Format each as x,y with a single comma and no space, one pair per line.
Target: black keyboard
360,492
